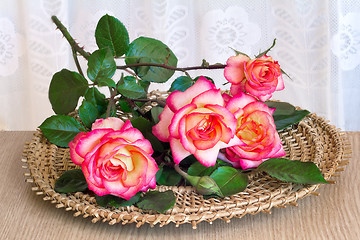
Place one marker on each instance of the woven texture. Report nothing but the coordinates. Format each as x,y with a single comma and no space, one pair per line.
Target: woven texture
313,139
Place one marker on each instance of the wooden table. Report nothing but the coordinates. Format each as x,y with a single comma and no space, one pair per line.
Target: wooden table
335,214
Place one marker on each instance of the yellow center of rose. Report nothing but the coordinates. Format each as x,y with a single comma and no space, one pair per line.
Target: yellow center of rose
123,159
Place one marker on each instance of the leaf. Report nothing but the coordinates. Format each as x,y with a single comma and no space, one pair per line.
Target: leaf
114,201
98,99
124,105
155,112
181,84
292,171
155,142
284,121
88,113
152,51
281,108
101,65
286,114
197,169
188,161
144,84
71,181
167,176
61,129
129,88
267,50
111,33
145,127
157,201
142,124
229,180
107,82
239,53
65,89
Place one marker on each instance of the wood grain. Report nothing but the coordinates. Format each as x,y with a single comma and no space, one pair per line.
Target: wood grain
335,214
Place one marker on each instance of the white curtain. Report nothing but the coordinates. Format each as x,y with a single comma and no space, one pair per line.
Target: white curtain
318,45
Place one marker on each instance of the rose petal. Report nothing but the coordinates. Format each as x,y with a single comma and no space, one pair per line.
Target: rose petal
161,129
90,140
174,126
110,122
239,101
75,158
177,99
96,189
280,85
207,157
212,96
234,71
237,88
177,150
245,164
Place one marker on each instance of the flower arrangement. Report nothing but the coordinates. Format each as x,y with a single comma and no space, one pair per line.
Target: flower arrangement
199,135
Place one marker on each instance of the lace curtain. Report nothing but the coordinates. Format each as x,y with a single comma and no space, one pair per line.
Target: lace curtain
318,45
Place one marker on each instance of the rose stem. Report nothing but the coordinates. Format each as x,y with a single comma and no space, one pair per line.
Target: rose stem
86,55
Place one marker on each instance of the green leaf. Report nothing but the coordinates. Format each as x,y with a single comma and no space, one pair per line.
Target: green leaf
167,176
181,84
151,50
111,200
111,33
142,124
101,65
98,99
239,53
88,113
65,89
267,50
284,121
292,171
188,161
61,129
281,108
229,180
71,181
286,114
157,201
145,127
144,84
124,105
155,142
197,169
106,82
155,112
129,88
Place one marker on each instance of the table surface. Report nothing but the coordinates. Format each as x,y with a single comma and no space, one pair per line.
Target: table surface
334,214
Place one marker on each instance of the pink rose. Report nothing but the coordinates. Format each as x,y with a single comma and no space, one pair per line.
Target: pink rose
256,130
197,122
259,77
115,158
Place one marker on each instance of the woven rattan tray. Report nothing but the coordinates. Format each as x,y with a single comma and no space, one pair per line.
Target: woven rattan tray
313,139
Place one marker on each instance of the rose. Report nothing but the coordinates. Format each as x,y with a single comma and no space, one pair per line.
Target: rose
256,130
196,122
115,158
259,77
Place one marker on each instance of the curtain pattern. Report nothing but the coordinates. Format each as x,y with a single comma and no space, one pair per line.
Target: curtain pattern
318,45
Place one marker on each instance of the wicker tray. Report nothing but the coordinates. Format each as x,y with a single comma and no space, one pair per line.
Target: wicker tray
313,139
